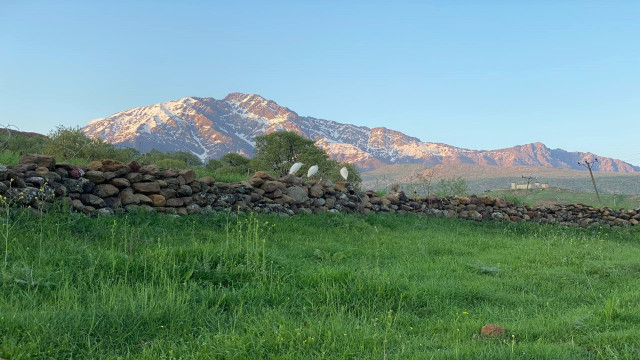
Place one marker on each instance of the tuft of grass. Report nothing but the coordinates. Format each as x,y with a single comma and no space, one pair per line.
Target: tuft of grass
8,157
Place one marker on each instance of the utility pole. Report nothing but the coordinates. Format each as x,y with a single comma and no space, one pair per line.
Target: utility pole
588,164
528,178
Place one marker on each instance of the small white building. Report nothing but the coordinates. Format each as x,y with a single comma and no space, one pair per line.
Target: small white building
536,185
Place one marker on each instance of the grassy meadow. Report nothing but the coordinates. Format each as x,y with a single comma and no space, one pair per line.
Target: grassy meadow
536,197
227,286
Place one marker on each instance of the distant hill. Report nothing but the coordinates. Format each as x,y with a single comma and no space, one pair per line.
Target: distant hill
481,178
210,128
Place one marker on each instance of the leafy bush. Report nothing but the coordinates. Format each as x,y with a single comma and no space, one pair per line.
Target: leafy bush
21,143
276,152
172,164
72,144
452,186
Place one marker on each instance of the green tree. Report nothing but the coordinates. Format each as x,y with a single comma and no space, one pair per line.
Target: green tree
235,160
21,143
188,158
276,152
71,143
172,164
152,157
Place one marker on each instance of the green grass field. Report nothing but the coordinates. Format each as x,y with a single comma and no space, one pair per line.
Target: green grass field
563,196
314,287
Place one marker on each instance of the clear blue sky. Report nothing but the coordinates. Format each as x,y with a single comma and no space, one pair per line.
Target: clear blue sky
475,74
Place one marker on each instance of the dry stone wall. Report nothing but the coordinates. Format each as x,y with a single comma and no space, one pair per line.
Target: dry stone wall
106,187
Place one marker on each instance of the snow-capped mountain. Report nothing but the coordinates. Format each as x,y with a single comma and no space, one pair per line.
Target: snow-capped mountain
210,128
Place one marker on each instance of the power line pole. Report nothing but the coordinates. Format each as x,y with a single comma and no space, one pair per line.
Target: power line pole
529,179
588,164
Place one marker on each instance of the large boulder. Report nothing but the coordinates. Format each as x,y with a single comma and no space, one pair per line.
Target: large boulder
120,182
105,190
271,186
146,187
127,197
95,176
92,200
298,194
158,200
188,175
109,165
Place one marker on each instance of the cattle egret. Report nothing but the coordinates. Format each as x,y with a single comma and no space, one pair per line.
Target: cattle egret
294,168
312,171
344,173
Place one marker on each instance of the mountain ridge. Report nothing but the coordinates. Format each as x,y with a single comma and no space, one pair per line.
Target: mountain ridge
209,128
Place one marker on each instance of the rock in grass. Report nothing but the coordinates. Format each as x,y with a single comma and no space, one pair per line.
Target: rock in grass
492,331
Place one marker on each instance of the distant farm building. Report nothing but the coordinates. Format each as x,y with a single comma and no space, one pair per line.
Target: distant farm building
536,185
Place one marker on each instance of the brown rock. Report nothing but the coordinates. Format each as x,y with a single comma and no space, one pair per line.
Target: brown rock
196,186
316,191
42,170
92,200
158,200
143,199
146,187
262,175
169,173
40,160
330,202
175,202
188,175
127,197
271,186
134,166
134,177
256,181
394,198
150,170
492,330
298,194
341,186
105,190
168,193
97,177
95,165
120,182
76,204
111,165
207,180
287,199
634,222
463,200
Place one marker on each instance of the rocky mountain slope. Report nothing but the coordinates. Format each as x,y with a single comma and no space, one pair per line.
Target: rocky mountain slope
209,128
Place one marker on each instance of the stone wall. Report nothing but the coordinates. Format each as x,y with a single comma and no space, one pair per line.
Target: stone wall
106,187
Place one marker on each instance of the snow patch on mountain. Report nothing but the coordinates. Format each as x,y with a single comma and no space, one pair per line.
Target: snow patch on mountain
210,128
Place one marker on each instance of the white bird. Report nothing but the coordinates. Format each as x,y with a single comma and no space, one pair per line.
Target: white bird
344,173
294,168
312,171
